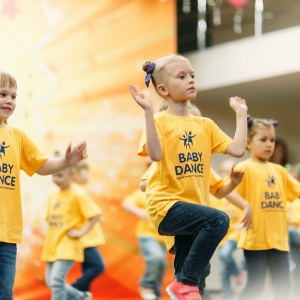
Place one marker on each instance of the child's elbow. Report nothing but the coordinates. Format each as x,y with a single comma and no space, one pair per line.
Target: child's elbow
240,154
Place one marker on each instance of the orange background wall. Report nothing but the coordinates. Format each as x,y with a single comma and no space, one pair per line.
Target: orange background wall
74,60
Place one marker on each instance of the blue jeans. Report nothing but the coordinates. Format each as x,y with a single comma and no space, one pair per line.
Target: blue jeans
92,267
8,253
154,253
198,229
294,242
56,281
228,266
257,263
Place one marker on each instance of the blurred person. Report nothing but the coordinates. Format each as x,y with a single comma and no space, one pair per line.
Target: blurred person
18,152
229,265
151,245
93,264
294,233
267,187
70,215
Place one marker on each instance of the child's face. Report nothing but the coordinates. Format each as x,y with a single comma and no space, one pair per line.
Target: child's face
63,179
180,81
81,176
7,102
262,144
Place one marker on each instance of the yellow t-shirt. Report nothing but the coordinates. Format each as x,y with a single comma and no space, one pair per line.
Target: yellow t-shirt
66,209
183,173
144,228
95,237
267,187
294,213
17,152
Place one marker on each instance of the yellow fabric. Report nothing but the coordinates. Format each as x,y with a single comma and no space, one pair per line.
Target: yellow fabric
183,173
17,152
267,187
294,213
235,215
66,209
95,237
144,228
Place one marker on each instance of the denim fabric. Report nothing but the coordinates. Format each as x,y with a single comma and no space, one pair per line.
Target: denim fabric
229,266
258,263
294,242
56,281
8,253
92,267
198,229
155,254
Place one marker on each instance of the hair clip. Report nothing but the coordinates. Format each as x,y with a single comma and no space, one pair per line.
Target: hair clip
150,69
273,122
249,121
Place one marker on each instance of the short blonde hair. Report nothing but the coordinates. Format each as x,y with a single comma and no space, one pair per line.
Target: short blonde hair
7,78
160,71
256,123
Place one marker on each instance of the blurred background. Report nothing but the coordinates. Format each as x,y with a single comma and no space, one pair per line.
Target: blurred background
74,61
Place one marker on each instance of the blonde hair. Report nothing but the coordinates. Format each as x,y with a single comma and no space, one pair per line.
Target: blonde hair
160,71
7,78
257,124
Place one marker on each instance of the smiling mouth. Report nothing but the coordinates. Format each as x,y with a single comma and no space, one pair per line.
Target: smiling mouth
6,108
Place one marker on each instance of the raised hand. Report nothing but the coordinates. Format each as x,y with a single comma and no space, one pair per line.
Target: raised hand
236,176
73,156
141,99
238,104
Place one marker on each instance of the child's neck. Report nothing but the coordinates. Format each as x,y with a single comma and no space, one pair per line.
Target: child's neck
178,108
259,160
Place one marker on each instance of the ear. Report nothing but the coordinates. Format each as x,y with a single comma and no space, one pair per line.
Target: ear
248,144
162,90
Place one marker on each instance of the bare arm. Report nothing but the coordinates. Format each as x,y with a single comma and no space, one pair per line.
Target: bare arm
77,233
240,202
142,214
56,164
153,145
235,178
143,184
238,146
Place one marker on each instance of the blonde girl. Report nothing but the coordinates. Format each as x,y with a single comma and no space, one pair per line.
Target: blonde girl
178,190
267,187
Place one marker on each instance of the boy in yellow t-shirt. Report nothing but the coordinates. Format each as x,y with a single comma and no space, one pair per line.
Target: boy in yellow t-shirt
18,152
71,214
93,264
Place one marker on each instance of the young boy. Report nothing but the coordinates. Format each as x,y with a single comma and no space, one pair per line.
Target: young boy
18,152
71,214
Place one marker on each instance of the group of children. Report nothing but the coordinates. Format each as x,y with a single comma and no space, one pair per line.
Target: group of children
177,194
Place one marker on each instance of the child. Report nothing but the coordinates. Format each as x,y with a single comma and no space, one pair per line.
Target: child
228,265
182,145
294,233
93,265
71,214
267,187
18,152
151,244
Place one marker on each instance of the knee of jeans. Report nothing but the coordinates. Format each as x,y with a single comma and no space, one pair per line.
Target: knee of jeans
99,269
53,282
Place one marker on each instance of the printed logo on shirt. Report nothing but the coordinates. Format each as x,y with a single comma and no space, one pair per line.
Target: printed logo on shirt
189,163
2,149
7,181
187,139
272,200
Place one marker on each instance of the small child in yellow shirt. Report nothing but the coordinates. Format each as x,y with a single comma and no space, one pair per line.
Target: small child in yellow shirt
70,215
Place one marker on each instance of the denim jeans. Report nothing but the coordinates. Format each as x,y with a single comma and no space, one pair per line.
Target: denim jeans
257,263
56,281
198,229
155,255
8,253
294,242
229,266
92,267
